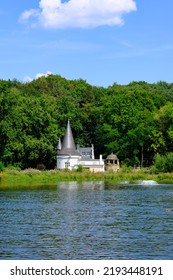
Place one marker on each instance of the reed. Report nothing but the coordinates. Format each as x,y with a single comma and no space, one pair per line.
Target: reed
34,176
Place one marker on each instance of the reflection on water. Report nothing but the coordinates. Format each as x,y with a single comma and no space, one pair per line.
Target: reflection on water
100,185
89,220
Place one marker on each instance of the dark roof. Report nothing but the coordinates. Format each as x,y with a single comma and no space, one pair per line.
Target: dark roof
68,145
86,149
112,156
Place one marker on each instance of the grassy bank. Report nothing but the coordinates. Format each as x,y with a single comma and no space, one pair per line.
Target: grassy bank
33,176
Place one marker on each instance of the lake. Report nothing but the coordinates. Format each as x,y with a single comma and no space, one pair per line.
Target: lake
89,220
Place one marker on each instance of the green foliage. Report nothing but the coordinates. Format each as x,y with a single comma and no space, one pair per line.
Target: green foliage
41,166
128,124
1,166
134,121
163,163
11,167
79,168
125,168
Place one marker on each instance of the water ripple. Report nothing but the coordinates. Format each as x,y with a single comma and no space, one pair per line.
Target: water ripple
87,221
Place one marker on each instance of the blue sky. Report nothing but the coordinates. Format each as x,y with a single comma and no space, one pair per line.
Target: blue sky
100,41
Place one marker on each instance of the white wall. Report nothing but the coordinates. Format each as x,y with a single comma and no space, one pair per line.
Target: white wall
70,162
63,161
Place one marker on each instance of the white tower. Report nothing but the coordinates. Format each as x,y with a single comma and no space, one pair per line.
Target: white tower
68,155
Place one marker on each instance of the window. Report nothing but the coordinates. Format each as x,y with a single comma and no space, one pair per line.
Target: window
67,164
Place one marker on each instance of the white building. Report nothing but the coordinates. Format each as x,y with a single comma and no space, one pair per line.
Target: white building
71,157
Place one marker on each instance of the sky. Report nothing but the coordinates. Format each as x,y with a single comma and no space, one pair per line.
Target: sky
100,41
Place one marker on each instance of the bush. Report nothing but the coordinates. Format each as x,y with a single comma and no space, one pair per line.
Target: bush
31,171
41,166
79,168
169,162
163,163
1,166
11,167
126,169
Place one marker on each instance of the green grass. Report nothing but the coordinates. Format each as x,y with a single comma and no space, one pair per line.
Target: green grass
35,177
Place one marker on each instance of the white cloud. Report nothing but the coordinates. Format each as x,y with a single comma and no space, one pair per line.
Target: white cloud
28,79
79,13
39,75
28,13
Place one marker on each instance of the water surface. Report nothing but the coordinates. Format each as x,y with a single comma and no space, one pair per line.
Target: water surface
90,220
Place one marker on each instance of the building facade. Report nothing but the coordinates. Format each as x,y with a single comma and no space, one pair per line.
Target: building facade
70,157
112,163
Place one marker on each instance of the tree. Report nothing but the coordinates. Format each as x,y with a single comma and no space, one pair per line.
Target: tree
128,124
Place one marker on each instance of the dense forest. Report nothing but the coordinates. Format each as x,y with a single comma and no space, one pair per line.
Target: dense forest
134,121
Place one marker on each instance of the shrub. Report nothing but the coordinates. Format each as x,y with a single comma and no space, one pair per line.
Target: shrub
41,166
169,162
30,171
163,163
126,169
79,168
12,171
1,166
11,167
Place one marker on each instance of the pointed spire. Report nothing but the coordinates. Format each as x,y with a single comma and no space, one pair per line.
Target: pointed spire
68,145
59,146
68,141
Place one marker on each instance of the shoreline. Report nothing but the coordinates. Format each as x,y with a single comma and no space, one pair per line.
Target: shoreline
34,177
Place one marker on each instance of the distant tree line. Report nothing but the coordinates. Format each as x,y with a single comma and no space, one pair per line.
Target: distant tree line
134,121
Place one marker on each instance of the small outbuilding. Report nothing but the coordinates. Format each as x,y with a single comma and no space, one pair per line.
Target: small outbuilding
112,163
